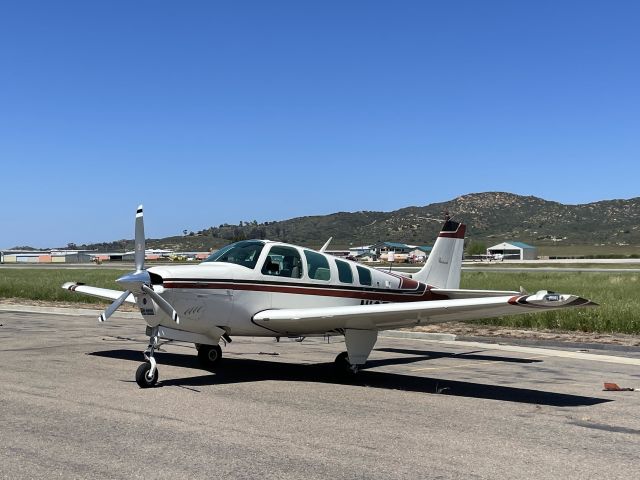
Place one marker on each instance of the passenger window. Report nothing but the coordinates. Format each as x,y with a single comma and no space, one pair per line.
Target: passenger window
283,262
318,266
344,272
364,275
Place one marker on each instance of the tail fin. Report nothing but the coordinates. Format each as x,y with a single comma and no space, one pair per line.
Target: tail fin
443,266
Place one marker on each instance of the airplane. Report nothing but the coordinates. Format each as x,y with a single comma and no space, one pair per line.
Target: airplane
498,257
264,288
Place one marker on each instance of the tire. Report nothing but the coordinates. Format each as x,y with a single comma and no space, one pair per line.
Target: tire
142,378
342,364
209,356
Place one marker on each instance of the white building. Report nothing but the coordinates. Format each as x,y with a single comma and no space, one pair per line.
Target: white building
514,251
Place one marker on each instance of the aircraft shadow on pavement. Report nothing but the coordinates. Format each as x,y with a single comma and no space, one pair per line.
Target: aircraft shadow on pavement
243,370
419,355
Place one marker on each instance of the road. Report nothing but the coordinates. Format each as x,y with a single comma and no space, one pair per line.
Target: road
69,408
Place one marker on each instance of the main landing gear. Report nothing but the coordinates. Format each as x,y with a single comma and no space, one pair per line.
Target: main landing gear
343,366
359,345
209,355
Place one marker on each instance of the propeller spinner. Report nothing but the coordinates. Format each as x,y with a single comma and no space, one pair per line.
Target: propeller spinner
139,282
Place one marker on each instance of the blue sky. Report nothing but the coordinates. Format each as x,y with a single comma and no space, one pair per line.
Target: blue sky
211,112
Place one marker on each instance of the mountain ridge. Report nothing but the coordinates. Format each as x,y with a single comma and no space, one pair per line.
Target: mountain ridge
490,217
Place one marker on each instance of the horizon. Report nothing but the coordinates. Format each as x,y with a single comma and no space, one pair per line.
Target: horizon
180,234
211,113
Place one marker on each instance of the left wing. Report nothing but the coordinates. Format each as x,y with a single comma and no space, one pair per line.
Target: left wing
309,321
98,292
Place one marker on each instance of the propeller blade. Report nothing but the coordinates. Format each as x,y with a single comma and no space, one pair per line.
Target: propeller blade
139,240
114,306
162,303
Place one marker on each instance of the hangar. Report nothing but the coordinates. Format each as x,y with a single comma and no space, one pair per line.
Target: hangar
514,251
44,256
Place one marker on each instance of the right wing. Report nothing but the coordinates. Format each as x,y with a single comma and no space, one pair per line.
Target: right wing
318,320
454,293
104,293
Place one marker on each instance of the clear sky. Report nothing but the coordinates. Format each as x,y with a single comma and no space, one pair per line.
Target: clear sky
219,111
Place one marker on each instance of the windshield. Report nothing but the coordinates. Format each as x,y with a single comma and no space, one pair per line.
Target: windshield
243,253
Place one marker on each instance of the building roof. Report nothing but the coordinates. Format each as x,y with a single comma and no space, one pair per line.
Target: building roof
520,245
392,245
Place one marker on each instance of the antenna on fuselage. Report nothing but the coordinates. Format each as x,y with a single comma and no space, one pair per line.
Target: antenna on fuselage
326,244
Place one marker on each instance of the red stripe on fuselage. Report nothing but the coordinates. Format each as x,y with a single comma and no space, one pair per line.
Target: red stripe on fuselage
391,296
406,283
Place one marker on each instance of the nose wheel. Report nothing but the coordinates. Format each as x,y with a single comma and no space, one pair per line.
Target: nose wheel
147,373
144,377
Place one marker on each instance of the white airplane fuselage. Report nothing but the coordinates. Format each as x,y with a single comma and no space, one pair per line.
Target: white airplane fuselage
227,296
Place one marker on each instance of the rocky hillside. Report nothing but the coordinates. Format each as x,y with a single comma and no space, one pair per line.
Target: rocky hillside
491,216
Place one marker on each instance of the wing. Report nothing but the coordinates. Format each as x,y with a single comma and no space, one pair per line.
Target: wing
451,293
307,321
105,293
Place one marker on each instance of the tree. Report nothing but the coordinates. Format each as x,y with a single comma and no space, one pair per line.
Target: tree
238,235
476,247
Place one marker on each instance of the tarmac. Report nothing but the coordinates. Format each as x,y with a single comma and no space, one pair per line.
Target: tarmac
422,408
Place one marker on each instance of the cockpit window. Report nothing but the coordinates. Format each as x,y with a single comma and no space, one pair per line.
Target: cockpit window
243,253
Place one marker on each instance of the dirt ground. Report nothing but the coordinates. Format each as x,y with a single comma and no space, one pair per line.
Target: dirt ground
472,330
457,328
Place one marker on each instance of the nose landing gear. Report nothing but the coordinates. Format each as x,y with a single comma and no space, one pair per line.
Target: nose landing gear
147,373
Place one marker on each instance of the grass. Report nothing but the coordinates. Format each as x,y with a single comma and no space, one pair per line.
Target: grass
617,293
603,251
45,283
557,266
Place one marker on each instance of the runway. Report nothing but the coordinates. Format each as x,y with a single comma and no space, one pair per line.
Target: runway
530,268
70,408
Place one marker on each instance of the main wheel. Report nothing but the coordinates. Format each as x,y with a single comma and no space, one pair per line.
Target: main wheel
142,376
342,363
209,355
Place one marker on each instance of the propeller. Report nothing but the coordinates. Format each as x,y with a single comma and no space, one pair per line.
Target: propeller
140,280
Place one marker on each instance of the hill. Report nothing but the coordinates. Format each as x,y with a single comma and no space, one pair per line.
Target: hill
490,217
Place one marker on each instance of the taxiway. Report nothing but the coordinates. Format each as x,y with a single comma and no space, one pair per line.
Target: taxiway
70,408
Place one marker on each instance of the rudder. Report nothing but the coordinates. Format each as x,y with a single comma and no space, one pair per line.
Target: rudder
444,264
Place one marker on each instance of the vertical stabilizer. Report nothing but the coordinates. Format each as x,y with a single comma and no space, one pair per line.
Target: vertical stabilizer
443,266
